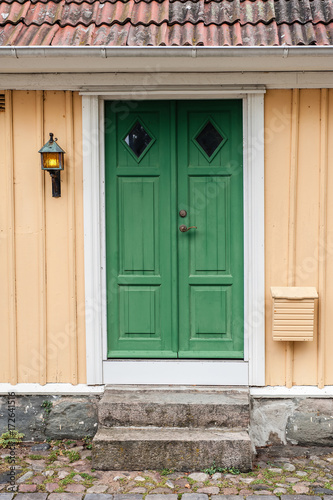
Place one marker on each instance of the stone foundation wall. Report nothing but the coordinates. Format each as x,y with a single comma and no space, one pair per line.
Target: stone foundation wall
52,417
294,421
274,421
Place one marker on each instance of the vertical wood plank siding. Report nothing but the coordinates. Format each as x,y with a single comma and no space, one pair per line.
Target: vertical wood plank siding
41,263
42,313
299,225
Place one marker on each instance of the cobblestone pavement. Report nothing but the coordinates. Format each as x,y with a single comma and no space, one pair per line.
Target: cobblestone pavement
61,470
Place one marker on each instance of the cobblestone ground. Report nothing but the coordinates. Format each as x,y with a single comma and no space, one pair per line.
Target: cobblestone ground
61,470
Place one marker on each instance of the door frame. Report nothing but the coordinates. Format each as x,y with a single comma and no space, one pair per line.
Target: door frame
100,370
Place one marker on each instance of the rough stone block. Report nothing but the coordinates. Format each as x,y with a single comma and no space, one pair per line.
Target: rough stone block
29,416
127,496
311,424
30,496
264,497
72,418
65,496
162,497
195,496
225,497
126,448
141,407
299,497
98,496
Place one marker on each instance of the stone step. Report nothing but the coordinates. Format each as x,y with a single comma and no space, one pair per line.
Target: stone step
181,449
169,407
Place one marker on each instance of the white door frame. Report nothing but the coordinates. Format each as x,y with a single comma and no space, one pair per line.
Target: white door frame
100,370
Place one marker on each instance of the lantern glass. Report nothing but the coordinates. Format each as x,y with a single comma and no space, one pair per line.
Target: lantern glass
52,161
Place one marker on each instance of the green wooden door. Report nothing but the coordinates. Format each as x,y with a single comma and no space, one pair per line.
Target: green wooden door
171,293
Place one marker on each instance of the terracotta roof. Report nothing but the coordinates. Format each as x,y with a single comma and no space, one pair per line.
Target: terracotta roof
166,22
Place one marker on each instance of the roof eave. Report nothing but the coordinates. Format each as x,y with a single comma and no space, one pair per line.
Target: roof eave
46,59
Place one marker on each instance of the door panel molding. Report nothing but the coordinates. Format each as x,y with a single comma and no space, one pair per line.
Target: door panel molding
100,370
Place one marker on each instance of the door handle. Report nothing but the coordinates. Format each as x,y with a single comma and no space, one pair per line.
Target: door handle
184,229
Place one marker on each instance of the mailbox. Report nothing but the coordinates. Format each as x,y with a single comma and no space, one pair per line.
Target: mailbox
293,313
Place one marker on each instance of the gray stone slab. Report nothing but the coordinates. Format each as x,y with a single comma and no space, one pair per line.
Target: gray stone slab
97,496
259,487
25,477
263,497
157,496
4,477
299,497
226,497
65,496
195,496
127,496
41,447
6,496
318,490
31,496
70,416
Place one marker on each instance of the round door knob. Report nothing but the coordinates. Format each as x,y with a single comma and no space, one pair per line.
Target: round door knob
183,213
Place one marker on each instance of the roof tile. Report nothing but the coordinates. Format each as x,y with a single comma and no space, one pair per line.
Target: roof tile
166,22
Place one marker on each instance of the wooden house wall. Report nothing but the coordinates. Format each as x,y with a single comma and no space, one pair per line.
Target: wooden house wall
41,247
42,314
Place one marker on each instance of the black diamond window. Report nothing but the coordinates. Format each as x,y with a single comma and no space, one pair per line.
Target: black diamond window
209,139
138,139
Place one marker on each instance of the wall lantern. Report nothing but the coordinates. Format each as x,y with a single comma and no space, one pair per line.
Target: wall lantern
52,158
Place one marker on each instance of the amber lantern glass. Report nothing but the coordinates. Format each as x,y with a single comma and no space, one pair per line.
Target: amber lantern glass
51,161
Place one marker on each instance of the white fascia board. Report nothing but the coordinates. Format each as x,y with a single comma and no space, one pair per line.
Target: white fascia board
136,83
41,59
297,391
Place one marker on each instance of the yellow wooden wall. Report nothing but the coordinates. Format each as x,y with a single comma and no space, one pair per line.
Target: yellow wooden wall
299,225
41,238
41,245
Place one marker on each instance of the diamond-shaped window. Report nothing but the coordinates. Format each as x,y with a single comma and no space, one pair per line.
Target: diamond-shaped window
138,139
209,139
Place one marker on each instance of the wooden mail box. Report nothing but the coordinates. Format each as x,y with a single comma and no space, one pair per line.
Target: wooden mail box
293,313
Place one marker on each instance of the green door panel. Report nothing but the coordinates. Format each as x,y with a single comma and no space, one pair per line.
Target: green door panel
210,189
139,238
172,293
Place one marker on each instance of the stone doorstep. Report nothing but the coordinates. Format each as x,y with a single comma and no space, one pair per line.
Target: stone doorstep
128,448
206,408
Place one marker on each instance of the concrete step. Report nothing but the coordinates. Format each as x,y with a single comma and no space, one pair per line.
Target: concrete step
190,407
182,449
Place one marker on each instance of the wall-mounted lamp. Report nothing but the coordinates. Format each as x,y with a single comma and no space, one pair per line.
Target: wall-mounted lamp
52,158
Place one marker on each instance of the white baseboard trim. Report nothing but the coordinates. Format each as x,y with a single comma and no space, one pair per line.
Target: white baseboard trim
171,372
53,389
309,391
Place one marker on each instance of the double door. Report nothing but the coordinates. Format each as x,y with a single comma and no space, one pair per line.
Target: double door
174,229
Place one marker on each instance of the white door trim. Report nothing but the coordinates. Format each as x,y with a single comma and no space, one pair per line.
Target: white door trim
251,371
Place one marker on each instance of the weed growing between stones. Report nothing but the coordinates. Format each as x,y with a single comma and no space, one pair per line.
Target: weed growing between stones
10,438
47,405
87,441
165,472
214,468
53,456
73,456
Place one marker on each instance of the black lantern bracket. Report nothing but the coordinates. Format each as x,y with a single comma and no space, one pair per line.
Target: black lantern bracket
52,160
